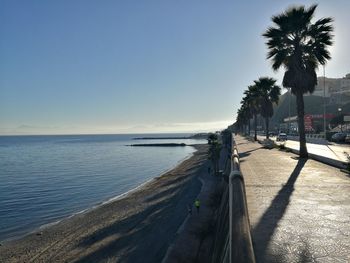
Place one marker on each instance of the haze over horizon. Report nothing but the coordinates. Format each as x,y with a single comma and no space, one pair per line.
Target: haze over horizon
84,67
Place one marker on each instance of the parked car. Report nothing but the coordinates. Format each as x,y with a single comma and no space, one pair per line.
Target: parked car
347,138
339,137
281,137
272,134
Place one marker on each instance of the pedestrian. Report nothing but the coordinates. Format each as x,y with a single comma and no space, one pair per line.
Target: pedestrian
197,204
189,209
209,170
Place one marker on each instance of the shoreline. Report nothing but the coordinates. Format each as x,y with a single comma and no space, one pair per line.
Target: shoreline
98,204
85,224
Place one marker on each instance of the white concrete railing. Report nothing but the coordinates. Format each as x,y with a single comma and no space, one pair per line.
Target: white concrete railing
240,241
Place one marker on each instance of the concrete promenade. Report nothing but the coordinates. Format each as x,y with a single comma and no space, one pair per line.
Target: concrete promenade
299,209
330,151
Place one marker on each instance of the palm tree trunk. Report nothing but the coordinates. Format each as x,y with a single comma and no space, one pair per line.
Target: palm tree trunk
249,127
213,165
267,127
301,125
255,128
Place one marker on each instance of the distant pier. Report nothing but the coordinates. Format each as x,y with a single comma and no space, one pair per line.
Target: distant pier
160,144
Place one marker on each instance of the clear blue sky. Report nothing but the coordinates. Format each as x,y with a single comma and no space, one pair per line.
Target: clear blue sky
138,66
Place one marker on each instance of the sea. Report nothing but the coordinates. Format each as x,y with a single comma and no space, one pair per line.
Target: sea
44,179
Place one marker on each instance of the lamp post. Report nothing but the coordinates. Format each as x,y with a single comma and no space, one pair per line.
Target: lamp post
341,125
324,100
289,93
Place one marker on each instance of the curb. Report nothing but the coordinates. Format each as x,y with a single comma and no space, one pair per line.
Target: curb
322,159
325,160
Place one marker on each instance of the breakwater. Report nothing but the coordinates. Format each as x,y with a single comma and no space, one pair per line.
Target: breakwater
158,144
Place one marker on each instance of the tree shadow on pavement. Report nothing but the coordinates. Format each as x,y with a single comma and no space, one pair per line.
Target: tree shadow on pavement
305,255
242,143
264,230
247,153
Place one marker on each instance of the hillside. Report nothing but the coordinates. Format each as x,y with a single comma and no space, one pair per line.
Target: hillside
313,105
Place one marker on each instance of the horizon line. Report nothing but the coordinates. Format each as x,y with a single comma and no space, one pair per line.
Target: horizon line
79,134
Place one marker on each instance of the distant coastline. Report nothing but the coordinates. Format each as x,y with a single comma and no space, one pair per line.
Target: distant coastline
195,136
159,144
162,138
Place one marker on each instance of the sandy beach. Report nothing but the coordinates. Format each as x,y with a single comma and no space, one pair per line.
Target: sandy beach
138,227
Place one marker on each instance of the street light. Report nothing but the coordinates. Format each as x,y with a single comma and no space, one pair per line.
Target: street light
341,125
324,100
289,93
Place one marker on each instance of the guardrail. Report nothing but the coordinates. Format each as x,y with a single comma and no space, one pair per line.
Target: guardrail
233,241
241,246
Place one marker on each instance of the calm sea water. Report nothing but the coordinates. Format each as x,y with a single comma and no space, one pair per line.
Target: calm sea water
46,178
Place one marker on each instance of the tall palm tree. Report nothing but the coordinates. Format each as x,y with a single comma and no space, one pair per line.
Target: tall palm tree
241,119
214,151
252,97
269,93
245,112
299,46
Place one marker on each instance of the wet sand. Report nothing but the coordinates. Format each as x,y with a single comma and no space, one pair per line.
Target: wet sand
139,227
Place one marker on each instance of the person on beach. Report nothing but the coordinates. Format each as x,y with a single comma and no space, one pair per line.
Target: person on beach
197,205
189,209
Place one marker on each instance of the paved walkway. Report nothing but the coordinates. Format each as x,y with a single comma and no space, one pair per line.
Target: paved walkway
195,239
331,151
299,209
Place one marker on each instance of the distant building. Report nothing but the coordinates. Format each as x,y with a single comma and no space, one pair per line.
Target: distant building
337,89
312,122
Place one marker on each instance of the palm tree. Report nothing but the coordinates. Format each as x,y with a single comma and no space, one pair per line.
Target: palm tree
299,46
212,137
243,118
269,93
252,99
214,151
245,113
240,120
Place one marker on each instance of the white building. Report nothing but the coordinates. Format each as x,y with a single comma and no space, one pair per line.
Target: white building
337,89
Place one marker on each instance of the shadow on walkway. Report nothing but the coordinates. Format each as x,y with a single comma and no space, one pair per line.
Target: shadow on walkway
247,153
264,230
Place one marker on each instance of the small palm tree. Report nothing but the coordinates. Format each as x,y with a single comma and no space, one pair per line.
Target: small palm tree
214,151
247,113
269,93
253,101
299,46
212,137
240,120
244,113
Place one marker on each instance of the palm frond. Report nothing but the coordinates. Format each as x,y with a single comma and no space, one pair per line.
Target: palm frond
299,45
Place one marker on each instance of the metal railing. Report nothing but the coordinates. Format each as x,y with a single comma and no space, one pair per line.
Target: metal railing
241,246
233,241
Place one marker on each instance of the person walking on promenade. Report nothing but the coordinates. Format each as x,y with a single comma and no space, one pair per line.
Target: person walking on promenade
189,209
197,204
